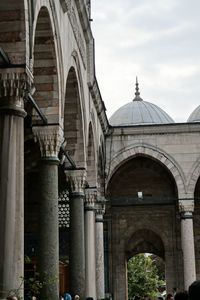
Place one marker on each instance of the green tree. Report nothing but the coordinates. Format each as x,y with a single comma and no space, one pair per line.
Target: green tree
143,279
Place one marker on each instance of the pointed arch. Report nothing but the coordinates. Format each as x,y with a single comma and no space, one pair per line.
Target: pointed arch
101,167
192,182
91,158
154,153
73,120
45,67
145,241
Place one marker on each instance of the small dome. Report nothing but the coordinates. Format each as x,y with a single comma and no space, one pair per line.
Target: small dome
139,112
195,115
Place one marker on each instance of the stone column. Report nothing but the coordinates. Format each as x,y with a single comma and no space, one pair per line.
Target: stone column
100,210
50,139
14,82
90,262
76,180
186,208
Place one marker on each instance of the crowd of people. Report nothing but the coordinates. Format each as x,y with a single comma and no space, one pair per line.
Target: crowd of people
193,293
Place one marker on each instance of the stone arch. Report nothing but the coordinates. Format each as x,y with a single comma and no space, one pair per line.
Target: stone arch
73,120
101,167
195,174
145,241
45,67
156,154
14,34
91,158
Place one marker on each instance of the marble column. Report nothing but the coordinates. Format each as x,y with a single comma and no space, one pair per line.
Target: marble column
50,139
76,181
90,255
14,83
100,280
186,208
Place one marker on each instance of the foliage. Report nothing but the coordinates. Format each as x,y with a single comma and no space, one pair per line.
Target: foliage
143,279
160,266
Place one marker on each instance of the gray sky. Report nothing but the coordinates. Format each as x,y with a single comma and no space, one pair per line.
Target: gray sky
156,40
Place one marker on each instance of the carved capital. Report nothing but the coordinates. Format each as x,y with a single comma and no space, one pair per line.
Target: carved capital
100,209
76,180
14,84
50,139
186,208
90,198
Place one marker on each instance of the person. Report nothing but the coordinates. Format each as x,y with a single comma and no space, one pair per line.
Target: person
67,296
181,296
194,290
169,297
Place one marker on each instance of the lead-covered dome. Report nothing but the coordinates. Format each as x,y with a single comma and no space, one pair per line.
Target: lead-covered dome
139,112
195,115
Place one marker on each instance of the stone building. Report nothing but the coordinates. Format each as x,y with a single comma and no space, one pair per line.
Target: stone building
76,189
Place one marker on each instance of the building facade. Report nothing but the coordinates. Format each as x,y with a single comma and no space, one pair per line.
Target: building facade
76,190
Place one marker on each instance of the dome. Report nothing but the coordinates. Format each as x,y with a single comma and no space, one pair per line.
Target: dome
195,115
139,112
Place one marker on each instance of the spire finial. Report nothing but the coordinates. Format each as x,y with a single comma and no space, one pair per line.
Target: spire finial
137,93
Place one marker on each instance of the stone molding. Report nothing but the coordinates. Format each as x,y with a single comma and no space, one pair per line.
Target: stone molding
186,208
76,180
50,139
152,152
90,198
14,85
69,9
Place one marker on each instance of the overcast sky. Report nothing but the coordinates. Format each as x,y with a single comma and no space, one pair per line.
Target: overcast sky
156,40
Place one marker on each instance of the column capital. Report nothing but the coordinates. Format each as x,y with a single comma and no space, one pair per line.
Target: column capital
186,208
90,198
14,84
77,180
50,139
100,208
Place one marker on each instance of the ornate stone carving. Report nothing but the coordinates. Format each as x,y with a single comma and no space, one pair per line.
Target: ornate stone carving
76,180
50,139
186,208
90,198
14,84
100,209
66,5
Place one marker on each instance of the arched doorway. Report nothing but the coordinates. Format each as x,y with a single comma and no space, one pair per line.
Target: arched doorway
143,196
141,264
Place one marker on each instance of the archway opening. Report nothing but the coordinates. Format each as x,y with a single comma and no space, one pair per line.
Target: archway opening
142,180
145,265
91,160
45,69
73,123
146,277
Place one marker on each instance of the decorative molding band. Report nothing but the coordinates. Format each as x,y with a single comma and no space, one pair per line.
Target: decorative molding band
76,180
50,139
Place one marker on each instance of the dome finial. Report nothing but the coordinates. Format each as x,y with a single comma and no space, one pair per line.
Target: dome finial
137,93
